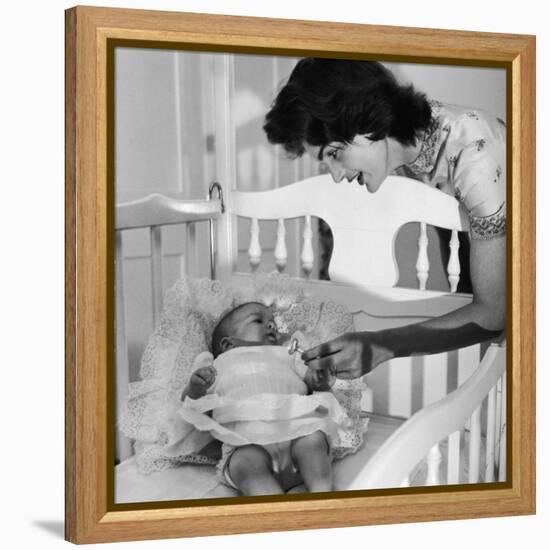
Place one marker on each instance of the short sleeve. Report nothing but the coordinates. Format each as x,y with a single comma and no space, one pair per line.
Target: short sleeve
479,178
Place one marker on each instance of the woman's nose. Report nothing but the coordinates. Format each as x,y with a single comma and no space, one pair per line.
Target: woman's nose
337,171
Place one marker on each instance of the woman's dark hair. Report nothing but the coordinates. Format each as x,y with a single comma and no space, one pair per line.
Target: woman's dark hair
328,100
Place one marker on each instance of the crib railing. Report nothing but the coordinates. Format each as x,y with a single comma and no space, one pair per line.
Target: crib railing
307,254
280,252
352,213
153,212
444,422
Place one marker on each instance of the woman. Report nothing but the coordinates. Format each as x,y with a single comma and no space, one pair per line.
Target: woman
354,117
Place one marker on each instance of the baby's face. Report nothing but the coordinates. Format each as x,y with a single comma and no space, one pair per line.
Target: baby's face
254,323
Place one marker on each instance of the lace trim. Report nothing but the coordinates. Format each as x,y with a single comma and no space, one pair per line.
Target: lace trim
489,227
349,393
152,460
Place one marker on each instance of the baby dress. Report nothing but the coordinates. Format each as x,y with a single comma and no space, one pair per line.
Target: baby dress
260,397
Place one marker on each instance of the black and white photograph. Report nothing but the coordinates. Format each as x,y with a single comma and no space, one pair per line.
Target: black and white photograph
310,259
275,272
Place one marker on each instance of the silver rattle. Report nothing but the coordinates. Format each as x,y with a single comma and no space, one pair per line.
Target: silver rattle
294,347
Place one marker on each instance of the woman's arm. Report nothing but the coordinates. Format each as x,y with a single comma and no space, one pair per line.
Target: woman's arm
355,354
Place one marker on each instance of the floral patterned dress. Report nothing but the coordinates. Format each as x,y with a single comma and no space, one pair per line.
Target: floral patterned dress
463,153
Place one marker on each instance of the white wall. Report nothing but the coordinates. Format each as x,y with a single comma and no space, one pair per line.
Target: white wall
481,87
31,170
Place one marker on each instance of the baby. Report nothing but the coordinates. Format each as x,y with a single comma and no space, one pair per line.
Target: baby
257,399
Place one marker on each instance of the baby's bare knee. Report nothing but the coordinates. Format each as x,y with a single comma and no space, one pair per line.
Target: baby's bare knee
315,442
249,460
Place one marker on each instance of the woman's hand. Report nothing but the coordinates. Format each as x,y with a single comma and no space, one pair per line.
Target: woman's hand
319,380
349,356
199,382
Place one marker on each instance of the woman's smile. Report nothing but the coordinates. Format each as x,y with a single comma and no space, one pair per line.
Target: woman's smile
363,160
361,180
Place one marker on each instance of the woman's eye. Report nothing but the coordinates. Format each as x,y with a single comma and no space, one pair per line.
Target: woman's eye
334,153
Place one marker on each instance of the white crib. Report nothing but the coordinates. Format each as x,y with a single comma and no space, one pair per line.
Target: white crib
456,426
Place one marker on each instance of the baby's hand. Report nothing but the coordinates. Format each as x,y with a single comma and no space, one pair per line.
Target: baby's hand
200,381
323,380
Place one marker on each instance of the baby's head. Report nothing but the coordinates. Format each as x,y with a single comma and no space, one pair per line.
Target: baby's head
249,323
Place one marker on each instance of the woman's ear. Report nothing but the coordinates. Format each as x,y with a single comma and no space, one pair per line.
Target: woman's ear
226,343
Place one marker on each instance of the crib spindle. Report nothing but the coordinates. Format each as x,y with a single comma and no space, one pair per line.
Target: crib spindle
193,251
502,433
498,421
475,446
188,245
422,261
280,247
434,460
300,171
307,256
254,249
123,445
490,445
156,270
296,238
453,458
453,267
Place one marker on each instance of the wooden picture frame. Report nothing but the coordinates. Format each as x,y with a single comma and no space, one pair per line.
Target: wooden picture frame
90,517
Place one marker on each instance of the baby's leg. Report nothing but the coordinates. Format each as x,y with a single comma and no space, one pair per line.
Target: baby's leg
250,470
312,455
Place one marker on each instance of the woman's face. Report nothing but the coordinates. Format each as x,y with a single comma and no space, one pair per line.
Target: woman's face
363,159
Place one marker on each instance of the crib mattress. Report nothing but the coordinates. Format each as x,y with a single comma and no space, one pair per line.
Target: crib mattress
200,481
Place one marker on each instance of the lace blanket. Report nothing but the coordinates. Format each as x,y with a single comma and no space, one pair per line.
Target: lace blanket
190,311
